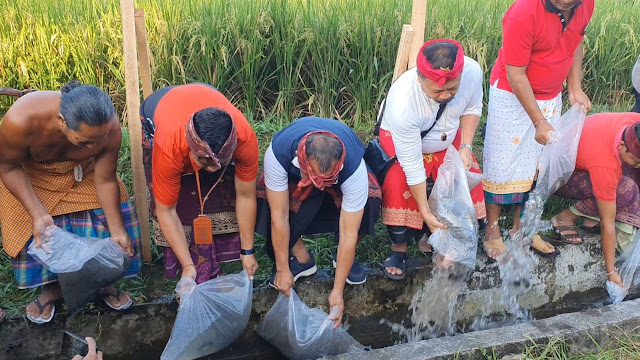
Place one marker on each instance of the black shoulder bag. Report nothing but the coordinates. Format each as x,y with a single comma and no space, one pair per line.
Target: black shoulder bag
378,160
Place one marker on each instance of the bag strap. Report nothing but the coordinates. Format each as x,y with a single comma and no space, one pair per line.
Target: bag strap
440,111
376,129
202,201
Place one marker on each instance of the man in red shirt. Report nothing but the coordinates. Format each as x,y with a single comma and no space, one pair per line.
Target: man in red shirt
542,46
186,129
605,182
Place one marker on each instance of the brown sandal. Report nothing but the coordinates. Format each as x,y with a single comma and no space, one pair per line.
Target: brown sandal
567,238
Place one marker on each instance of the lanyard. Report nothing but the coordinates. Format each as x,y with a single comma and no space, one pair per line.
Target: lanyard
202,201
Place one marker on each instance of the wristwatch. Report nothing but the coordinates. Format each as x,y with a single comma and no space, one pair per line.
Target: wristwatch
246,252
468,146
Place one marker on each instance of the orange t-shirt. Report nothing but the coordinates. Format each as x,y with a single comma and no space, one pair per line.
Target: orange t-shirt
598,151
171,156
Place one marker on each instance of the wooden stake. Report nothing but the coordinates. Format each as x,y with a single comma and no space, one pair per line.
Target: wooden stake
143,53
135,127
402,58
418,19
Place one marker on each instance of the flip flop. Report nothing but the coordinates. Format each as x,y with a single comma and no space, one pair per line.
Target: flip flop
546,254
105,295
397,260
39,320
487,248
565,239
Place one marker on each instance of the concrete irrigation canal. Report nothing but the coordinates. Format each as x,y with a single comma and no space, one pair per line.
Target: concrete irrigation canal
573,282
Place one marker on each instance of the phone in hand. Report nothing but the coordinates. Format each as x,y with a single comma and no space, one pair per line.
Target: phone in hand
72,345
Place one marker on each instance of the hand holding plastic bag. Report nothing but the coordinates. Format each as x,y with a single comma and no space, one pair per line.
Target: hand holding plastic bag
630,262
211,316
451,201
85,266
300,333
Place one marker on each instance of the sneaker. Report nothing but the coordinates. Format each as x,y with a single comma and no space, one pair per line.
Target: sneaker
297,269
357,275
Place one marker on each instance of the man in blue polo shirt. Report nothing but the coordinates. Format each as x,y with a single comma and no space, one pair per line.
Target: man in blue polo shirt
316,181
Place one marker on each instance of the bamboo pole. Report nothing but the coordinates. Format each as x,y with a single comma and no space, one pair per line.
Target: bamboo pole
418,19
402,58
143,53
132,87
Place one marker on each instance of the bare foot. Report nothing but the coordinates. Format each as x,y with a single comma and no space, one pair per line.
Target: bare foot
394,247
493,244
47,293
424,245
112,300
590,223
541,245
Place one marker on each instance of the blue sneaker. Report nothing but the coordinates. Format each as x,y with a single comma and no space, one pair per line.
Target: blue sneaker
297,269
357,275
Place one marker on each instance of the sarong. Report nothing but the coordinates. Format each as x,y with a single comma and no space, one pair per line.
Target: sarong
399,208
29,273
63,188
315,212
511,152
220,208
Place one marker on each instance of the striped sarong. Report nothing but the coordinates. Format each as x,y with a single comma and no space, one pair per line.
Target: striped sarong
29,273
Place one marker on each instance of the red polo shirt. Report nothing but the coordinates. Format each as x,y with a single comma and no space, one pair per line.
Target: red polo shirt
598,151
536,37
171,156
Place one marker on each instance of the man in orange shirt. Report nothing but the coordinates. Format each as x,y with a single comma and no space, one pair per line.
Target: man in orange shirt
605,182
187,129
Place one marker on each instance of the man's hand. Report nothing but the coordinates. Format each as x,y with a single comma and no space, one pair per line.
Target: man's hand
92,354
433,223
579,97
250,264
124,241
336,299
467,160
615,277
542,132
39,225
284,282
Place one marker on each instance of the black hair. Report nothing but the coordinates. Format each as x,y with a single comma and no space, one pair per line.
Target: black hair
324,150
441,54
85,104
213,126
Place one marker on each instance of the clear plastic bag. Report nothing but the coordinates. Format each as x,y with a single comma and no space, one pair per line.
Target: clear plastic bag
300,333
211,316
451,201
85,266
630,260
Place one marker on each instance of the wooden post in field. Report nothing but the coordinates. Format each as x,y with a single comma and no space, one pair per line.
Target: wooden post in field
135,127
402,58
143,54
418,19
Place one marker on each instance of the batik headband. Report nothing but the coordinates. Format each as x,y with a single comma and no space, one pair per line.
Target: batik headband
203,152
318,180
440,75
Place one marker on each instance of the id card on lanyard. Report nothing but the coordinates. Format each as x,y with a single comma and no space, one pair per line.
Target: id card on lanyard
202,225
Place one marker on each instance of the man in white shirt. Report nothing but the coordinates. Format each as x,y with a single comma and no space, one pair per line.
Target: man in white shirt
316,181
428,108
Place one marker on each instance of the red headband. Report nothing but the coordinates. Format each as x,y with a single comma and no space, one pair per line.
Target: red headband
440,75
631,139
319,181
202,150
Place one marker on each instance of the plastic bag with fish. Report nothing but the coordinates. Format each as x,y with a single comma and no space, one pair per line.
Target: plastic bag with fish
628,271
451,202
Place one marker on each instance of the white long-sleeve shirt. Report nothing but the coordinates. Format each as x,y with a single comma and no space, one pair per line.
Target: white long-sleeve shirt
409,111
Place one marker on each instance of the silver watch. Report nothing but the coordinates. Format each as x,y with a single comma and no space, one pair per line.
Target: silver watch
468,146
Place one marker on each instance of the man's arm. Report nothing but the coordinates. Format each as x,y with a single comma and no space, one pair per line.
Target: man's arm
14,148
419,192
574,80
607,213
107,188
171,227
521,86
246,207
280,232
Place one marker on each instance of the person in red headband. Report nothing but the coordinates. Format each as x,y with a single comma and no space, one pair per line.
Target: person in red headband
316,181
605,183
541,48
201,162
428,108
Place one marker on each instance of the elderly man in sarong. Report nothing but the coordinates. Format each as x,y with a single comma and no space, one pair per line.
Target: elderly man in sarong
316,181
605,183
201,162
58,159
428,108
541,48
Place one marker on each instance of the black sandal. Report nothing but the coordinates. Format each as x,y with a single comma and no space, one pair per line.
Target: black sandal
566,238
397,260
